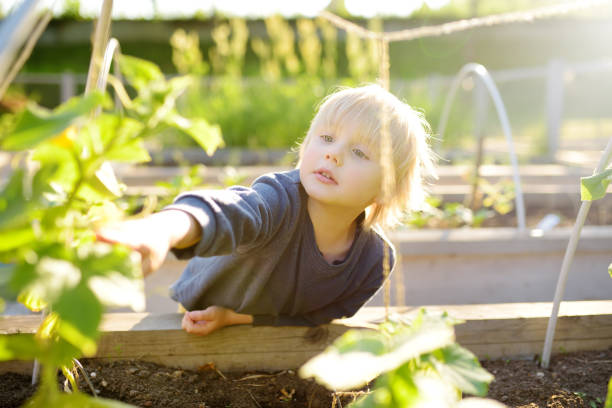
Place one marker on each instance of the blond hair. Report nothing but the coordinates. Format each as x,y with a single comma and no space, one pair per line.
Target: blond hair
372,111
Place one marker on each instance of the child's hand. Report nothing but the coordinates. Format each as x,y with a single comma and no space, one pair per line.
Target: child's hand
153,236
203,322
142,235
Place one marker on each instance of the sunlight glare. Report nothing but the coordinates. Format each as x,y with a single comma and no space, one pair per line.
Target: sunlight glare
369,9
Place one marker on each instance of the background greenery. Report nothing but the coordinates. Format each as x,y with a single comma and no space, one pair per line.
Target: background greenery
262,79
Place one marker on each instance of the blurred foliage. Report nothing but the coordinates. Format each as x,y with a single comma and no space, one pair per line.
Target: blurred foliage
491,199
273,110
61,188
310,57
415,363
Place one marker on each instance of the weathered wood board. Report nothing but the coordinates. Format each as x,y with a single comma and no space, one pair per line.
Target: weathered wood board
490,331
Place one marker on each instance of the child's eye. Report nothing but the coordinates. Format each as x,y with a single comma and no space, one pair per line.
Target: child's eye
327,138
359,153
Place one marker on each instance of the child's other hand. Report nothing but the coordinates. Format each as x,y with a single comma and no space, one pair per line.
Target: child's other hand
203,322
142,235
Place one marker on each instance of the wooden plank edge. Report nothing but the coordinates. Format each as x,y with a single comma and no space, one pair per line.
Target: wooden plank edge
490,331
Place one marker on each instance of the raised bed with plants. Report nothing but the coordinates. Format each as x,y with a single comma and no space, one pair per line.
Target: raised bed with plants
259,365
62,188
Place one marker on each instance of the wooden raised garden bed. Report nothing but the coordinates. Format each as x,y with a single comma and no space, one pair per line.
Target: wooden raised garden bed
490,331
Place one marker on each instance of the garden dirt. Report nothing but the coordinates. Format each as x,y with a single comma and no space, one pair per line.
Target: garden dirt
574,380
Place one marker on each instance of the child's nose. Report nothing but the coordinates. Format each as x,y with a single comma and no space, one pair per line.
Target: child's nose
334,157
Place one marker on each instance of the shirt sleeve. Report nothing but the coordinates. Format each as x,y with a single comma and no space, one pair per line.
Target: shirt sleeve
236,219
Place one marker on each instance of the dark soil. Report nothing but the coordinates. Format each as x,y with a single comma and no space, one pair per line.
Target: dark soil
574,380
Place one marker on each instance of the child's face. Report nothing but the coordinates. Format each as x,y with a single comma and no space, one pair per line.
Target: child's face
337,170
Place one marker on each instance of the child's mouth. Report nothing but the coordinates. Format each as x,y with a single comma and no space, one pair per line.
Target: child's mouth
325,177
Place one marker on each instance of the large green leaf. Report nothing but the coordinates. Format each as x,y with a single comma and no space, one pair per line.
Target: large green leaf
461,368
594,187
206,135
116,139
80,314
37,125
360,359
139,72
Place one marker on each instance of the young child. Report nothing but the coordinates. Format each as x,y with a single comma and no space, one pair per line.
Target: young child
301,247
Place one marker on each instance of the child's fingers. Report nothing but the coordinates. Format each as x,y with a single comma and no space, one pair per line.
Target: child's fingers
118,235
109,235
200,327
206,314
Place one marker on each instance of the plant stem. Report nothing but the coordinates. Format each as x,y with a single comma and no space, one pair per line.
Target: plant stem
567,261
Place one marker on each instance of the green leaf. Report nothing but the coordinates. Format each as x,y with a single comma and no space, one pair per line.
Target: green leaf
608,403
610,270
346,368
106,177
63,168
48,280
139,73
113,274
16,238
18,347
80,314
14,207
37,125
130,152
206,135
404,391
57,399
372,342
433,391
120,138
594,187
461,368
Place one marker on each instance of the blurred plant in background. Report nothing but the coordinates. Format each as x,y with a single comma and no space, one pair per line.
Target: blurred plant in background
492,199
274,109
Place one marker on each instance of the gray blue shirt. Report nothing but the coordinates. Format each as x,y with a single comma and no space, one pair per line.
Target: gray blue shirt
258,255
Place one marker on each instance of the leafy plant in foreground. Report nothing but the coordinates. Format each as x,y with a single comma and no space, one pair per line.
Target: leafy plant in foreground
62,187
415,363
594,188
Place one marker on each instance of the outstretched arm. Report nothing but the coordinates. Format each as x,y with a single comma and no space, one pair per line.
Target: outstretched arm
153,236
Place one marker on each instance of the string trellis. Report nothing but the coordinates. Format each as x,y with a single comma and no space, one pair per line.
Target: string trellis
455,26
